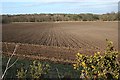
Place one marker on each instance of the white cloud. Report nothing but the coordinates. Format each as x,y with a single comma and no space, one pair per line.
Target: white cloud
49,1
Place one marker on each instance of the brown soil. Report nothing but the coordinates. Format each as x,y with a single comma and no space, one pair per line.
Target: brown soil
60,41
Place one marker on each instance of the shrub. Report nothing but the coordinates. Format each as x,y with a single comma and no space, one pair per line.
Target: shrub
99,66
37,70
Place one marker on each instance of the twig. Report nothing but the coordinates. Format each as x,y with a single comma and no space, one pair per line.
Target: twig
58,73
8,62
13,63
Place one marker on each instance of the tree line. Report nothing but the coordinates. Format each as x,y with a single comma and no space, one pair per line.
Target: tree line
59,17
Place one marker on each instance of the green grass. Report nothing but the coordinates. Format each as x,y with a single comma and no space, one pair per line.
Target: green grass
63,69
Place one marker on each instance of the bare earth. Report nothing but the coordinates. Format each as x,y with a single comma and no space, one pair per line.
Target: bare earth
58,40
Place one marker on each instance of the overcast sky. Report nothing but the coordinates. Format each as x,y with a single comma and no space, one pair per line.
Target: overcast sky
58,6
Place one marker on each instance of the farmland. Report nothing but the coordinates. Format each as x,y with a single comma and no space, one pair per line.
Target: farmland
58,41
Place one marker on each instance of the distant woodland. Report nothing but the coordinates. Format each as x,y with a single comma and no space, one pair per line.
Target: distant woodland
59,17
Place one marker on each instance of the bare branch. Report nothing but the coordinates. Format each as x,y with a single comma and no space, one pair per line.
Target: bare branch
58,73
8,62
13,63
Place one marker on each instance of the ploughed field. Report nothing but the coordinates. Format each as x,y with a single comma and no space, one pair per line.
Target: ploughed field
58,41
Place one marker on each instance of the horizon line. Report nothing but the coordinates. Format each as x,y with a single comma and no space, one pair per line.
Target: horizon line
55,13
